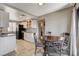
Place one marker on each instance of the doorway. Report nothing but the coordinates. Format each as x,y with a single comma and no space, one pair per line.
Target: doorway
41,29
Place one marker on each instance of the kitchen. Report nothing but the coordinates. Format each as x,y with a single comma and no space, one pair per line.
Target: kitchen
9,28
7,39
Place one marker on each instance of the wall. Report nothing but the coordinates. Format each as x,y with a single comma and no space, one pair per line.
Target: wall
58,22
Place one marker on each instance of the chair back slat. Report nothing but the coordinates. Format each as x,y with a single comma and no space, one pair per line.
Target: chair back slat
35,38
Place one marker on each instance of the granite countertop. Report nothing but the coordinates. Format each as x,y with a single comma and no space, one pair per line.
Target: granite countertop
6,35
27,32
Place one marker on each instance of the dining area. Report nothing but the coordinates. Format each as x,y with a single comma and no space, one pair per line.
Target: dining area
48,43
53,45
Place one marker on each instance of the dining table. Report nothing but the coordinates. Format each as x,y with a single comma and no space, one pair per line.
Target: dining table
50,39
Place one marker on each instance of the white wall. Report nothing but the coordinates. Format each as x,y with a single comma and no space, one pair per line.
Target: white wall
58,22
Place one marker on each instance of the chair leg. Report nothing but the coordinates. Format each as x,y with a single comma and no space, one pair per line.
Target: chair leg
44,54
35,50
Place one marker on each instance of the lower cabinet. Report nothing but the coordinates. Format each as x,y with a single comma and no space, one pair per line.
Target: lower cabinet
7,44
28,37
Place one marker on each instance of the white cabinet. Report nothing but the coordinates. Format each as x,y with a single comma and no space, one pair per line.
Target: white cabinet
4,19
28,37
7,44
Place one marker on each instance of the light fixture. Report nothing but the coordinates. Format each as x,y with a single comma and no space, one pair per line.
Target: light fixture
62,38
40,4
21,16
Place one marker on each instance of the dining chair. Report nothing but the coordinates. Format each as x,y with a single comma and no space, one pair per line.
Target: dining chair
65,46
53,49
38,45
59,47
53,46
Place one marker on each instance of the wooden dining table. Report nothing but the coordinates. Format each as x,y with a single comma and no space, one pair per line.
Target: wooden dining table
49,39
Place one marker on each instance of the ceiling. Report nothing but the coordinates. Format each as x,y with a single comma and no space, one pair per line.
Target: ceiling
38,10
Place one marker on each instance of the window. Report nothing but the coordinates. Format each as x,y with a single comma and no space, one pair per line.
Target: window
12,27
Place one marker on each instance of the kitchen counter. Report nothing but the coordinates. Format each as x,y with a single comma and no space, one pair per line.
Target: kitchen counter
6,35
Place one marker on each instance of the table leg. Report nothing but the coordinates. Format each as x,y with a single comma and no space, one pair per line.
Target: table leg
44,54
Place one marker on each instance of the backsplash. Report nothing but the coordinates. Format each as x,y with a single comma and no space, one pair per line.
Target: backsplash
3,30
0,30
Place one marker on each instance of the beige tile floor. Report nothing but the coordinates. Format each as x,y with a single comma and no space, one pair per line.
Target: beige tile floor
24,48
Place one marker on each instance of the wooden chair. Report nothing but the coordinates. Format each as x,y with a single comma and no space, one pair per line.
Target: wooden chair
66,46
37,44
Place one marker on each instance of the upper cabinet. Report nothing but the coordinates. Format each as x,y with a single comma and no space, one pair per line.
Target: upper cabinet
30,24
4,19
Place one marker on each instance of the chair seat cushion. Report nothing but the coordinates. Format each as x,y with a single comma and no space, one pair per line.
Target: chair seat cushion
39,45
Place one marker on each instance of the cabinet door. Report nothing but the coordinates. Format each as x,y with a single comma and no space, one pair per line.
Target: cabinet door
7,44
4,19
2,46
0,20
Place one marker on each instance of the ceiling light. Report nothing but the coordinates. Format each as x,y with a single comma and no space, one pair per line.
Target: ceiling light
40,4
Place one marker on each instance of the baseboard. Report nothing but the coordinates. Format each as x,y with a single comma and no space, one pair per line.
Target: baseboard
7,54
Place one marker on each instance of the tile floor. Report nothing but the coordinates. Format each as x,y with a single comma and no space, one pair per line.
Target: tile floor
24,48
